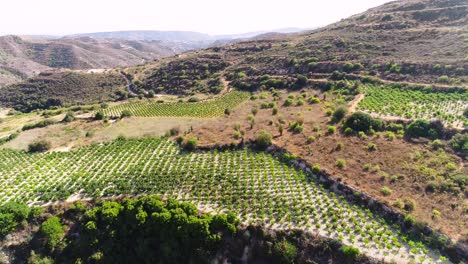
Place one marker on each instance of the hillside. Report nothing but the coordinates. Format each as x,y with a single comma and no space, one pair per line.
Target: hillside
22,57
415,43
348,143
63,88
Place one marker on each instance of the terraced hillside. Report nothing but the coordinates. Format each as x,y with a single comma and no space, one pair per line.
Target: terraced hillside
258,187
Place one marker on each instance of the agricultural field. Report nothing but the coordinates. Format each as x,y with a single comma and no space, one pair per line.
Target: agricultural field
255,185
203,109
415,104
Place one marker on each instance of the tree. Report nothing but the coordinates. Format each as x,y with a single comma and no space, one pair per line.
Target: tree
52,230
263,140
39,146
360,121
99,116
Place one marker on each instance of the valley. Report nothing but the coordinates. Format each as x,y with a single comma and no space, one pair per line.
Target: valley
342,144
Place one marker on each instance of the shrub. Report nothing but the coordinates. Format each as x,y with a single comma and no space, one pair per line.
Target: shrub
339,113
310,139
52,230
274,111
314,100
296,127
410,204
360,121
284,252
179,140
174,131
351,252
371,147
316,168
418,128
37,259
288,102
191,143
443,79
386,191
69,117
227,111
459,143
42,123
331,129
99,115
348,131
125,113
39,146
341,163
390,135
263,140
436,144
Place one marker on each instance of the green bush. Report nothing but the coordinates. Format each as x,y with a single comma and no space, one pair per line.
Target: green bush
52,230
386,191
39,146
316,168
191,143
99,116
263,140
331,129
459,143
69,117
339,113
125,113
351,252
360,121
341,163
314,100
284,252
296,127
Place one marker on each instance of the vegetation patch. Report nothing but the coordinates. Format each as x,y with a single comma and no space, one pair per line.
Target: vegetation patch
202,109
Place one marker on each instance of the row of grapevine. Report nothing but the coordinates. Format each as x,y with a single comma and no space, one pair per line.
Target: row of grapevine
203,109
255,185
416,104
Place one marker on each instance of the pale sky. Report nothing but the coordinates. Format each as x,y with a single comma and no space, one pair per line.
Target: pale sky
59,17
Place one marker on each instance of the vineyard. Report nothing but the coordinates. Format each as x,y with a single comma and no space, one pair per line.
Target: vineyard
203,109
416,104
255,185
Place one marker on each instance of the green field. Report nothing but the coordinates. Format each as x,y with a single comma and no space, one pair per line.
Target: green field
203,109
258,187
414,104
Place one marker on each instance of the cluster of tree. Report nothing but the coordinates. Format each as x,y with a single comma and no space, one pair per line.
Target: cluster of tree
139,230
12,214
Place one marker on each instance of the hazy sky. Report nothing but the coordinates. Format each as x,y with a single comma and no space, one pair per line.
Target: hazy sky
208,16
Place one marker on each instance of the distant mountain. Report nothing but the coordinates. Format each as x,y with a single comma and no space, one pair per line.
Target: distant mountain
149,35
180,36
26,56
22,57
